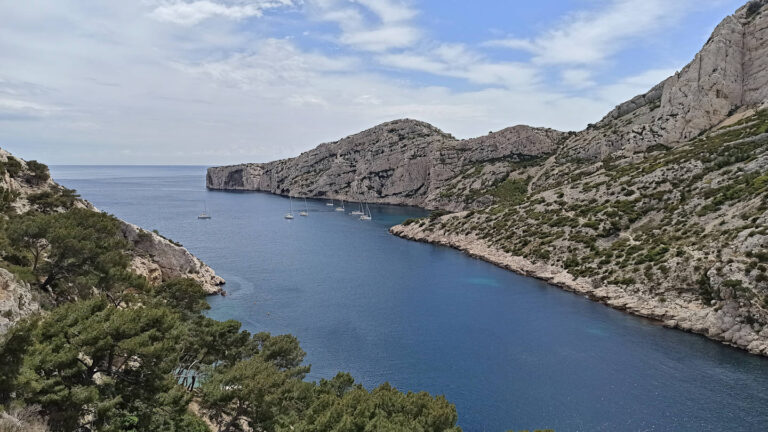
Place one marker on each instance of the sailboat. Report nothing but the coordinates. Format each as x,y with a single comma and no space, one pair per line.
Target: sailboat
289,215
367,217
204,214
358,212
340,209
304,212
329,203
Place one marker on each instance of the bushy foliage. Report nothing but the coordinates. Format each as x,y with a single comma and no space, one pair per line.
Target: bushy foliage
52,200
511,191
437,214
38,172
82,249
12,167
754,7
117,354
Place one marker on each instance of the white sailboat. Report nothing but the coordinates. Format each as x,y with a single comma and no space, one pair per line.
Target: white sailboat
305,212
367,217
204,214
340,209
330,203
289,215
358,212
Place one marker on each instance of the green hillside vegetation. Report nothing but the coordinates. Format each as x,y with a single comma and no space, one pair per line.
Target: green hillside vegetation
113,353
669,215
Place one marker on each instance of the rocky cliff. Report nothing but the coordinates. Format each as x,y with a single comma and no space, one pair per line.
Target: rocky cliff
400,162
659,209
26,186
727,75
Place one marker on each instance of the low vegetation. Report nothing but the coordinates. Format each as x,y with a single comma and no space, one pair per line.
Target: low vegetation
111,352
654,222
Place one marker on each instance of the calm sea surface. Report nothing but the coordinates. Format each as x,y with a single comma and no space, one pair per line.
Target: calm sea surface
509,351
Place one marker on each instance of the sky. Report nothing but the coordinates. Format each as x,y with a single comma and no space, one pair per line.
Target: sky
208,82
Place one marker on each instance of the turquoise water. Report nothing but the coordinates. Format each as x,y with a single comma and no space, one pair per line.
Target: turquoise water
511,352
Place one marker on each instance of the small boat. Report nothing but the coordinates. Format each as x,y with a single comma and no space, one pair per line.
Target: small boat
204,214
367,217
304,212
289,215
358,212
330,203
340,209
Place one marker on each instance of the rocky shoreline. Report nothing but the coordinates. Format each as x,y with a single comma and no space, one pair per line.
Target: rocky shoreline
685,313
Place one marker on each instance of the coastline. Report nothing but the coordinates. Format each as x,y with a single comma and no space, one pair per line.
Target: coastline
683,313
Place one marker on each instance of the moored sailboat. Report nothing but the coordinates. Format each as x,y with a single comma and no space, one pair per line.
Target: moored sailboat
359,212
367,217
289,215
204,214
340,209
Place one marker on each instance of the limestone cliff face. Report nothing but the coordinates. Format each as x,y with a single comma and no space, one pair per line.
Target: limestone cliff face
400,162
17,300
729,73
159,260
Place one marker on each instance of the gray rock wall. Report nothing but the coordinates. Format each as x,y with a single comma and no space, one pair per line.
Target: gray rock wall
400,162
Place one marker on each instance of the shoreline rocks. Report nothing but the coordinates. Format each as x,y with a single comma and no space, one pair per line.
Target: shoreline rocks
683,313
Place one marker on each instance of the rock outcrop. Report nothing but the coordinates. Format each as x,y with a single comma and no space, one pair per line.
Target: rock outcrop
17,300
401,162
728,74
159,259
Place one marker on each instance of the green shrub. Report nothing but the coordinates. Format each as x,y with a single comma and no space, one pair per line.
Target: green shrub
38,172
438,214
12,166
53,199
511,191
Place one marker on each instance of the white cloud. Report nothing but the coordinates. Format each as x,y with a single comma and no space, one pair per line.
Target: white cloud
588,37
457,61
392,27
634,85
98,81
390,11
15,109
577,78
381,39
191,13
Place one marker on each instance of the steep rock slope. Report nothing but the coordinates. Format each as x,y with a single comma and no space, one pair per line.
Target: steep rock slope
729,73
400,162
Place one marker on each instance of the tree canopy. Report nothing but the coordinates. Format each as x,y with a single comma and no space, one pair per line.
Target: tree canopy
113,353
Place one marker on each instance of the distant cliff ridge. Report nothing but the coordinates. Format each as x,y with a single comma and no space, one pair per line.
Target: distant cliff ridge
400,162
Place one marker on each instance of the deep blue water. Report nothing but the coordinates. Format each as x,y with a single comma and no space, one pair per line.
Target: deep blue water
509,351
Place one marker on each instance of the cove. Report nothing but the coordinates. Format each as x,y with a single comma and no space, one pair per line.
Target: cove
511,352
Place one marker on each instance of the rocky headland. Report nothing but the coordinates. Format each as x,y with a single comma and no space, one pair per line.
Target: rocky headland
27,186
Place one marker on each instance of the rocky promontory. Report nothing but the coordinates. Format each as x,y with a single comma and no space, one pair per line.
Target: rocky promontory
401,162
27,187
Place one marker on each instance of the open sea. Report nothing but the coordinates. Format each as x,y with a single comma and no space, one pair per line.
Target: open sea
511,352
